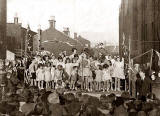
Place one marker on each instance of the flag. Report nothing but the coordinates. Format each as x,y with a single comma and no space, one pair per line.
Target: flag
124,47
123,43
158,54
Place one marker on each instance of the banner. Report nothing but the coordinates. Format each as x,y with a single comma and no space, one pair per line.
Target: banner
158,54
10,55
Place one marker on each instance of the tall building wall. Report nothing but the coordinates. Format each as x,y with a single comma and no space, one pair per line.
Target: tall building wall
139,20
3,13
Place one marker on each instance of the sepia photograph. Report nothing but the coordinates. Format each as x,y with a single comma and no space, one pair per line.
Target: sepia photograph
79,57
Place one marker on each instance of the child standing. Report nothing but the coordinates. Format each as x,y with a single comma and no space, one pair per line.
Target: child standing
40,76
74,76
68,67
98,78
47,74
53,69
58,74
106,78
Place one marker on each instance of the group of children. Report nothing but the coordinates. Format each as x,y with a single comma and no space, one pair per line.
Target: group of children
74,72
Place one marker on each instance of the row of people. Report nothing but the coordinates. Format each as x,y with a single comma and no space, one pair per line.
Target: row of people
76,70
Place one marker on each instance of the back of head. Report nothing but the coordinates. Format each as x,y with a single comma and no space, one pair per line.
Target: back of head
141,113
69,97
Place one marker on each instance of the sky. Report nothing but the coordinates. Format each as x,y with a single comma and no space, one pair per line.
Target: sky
95,20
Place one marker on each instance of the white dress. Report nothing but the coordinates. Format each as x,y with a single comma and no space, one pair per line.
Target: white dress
86,68
55,61
40,74
118,70
68,68
106,75
53,69
99,75
47,74
58,75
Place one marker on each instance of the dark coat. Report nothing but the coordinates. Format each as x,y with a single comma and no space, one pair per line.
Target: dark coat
143,87
146,86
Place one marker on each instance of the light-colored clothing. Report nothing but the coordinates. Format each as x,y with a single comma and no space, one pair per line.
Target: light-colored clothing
47,74
68,68
58,75
61,63
55,61
53,69
74,74
106,75
99,75
40,74
118,70
85,68
33,66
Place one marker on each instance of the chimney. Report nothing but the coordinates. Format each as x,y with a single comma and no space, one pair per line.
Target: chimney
75,35
52,22
66,31
16,19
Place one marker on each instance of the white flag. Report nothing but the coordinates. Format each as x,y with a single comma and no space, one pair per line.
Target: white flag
158,54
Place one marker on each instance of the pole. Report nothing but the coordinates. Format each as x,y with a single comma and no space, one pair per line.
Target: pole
129,59
151,60
3,46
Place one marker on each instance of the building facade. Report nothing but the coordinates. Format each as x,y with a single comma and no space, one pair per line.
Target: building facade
54,41
16,37
139,21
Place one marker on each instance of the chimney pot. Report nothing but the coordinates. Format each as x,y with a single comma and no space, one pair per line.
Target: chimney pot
52,22
16,19
66,31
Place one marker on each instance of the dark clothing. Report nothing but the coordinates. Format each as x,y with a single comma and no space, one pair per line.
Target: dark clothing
146,86
143,87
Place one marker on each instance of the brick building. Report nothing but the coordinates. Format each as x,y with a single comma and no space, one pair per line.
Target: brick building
16,36
55,41
139,20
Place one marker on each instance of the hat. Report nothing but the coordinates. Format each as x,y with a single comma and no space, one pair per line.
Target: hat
69,97
53,98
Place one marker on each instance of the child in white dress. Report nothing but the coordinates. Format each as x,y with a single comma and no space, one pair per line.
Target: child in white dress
98,78
68,67
74,77
53,69
40,76
106,78
118,72
47,74
58,74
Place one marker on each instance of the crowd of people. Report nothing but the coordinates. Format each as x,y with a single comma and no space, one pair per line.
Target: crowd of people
46,85
76,71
